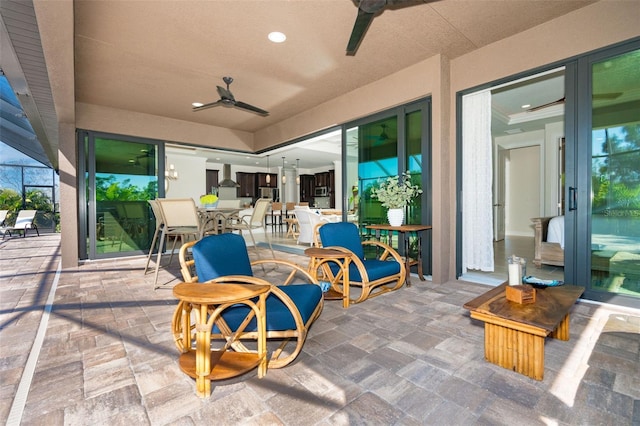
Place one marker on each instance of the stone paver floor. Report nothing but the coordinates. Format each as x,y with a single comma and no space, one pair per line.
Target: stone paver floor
409,357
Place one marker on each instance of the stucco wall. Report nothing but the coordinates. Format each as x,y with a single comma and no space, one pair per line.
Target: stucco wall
111,120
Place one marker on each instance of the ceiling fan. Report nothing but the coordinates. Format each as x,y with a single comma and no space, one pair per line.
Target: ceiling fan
227,99
382,137
367,10
596,96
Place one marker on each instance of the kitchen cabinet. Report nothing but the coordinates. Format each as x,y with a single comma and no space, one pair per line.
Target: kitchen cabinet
262,180
307,186
247,182
322,179
332,188
212,181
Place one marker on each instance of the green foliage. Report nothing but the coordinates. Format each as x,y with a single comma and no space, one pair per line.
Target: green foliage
396,192
35,199
110,189
616,176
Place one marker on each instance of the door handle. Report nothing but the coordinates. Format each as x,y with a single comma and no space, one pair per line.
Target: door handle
572,198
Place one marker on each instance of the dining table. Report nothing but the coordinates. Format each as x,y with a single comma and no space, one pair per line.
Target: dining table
216,219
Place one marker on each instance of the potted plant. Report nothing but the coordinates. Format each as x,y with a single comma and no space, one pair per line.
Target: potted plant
395,193
209,200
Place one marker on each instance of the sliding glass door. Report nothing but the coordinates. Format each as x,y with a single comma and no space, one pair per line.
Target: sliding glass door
613,176
121,175
387,145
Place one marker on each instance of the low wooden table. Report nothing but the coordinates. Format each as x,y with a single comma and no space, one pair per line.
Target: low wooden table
514,334
320,257
205,365
406,229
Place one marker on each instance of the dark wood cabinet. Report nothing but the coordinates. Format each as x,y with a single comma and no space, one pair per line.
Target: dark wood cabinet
332,188
307,186
212,181
261,179
247,182
322,179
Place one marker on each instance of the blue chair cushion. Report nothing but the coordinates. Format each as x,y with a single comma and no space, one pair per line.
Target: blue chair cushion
221,255
375,268
305,296
342,234
226,254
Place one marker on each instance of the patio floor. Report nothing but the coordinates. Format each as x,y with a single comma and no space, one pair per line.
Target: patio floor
92,345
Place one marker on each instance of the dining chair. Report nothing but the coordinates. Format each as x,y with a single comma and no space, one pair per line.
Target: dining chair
157,213
294,303
289,208
181,220
255,221
380,271
276,214
307,221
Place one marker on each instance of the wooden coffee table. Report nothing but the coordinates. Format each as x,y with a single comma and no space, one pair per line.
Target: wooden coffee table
514,334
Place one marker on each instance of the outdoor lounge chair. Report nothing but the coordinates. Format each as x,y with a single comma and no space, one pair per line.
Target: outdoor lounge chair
291,306
3,218
24,221
382,272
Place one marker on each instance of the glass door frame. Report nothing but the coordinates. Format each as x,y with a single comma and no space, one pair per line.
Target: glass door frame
577,118
87,214
401,112
579,150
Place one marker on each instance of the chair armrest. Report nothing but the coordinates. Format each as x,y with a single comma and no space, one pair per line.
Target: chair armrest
294,270
388,250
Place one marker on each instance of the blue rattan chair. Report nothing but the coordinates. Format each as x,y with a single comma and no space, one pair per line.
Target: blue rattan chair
291,307
380,272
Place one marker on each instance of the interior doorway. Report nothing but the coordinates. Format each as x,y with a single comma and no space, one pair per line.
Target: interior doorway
527,126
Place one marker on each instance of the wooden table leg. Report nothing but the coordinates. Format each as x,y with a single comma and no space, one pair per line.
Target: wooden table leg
420,273
562,332
514,350
203,354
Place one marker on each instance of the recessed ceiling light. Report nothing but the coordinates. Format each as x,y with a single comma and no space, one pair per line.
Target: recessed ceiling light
277,37
197,104
525,106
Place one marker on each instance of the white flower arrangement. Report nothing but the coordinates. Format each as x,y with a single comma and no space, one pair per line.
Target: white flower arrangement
396,192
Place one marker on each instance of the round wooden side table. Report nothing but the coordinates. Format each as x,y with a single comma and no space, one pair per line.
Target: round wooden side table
210,300
320,259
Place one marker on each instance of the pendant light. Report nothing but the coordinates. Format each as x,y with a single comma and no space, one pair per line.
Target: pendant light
297,171
268,178
284,178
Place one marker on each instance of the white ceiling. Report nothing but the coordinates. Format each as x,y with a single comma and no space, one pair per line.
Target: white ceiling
157,57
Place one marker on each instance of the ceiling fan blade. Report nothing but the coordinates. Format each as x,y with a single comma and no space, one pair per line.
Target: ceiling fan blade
251,108
559,101
363,20
225,93
209,105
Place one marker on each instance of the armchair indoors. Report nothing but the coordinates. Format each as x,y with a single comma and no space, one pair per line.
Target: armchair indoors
291,307
382,269
307,221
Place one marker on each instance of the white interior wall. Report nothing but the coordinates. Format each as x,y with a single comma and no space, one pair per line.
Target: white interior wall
523,188
192,177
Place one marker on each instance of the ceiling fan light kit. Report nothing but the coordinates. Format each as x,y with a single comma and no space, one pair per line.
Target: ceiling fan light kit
228,100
